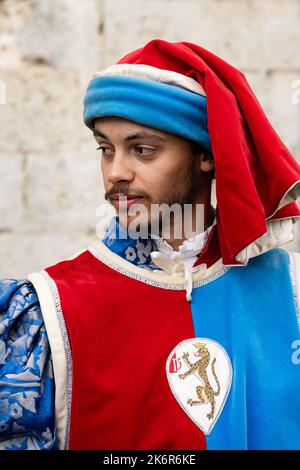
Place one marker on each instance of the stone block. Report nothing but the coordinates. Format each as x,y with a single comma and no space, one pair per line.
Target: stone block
63,33
43,111
22,254
11,193
249,34
13,14
64,192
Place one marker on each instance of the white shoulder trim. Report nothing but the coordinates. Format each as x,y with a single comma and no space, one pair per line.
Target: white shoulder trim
295,278
60,349
161,279
279,232
155,74
291,195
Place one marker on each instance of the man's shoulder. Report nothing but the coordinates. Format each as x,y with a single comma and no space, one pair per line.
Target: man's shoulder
16,291
275,264
80,264
277,267
275,258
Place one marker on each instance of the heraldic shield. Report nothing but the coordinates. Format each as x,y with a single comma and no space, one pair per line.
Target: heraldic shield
199,372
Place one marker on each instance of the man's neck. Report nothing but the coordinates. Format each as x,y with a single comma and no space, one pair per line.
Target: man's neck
176,242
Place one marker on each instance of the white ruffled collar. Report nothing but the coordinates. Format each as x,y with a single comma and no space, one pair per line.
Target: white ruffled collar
190,247
181,261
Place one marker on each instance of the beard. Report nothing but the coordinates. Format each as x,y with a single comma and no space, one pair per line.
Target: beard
180,190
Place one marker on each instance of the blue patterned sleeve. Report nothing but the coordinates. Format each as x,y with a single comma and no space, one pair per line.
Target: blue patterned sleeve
27,386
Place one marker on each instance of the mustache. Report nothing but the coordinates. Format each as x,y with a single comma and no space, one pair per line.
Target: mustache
125,191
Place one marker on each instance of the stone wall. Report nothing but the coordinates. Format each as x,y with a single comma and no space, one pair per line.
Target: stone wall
50,174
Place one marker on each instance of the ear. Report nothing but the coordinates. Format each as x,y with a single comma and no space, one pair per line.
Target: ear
206,161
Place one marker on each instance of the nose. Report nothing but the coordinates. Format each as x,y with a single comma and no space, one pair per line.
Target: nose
120,169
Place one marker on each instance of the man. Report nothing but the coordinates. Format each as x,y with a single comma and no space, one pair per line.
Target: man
166,342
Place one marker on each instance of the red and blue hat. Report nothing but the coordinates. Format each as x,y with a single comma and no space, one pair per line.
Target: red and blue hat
186,90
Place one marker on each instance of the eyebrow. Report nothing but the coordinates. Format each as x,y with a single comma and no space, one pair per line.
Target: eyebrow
137,135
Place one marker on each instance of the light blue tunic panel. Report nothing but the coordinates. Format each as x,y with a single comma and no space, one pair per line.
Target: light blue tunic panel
252,313
27,386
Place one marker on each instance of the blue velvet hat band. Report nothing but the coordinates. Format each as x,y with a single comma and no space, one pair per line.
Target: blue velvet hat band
154,104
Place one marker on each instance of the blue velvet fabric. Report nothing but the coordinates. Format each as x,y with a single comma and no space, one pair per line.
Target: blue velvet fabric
251,312
158,105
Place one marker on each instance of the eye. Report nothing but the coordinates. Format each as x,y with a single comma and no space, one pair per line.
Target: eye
144,151
105,150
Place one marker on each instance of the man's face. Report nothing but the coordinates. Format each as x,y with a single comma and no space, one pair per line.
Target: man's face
146,165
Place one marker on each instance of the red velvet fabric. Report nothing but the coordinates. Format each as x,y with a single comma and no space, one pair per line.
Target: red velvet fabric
253,167
211,252
121,333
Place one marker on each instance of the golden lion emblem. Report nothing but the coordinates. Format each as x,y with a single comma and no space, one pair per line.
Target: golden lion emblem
205,393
